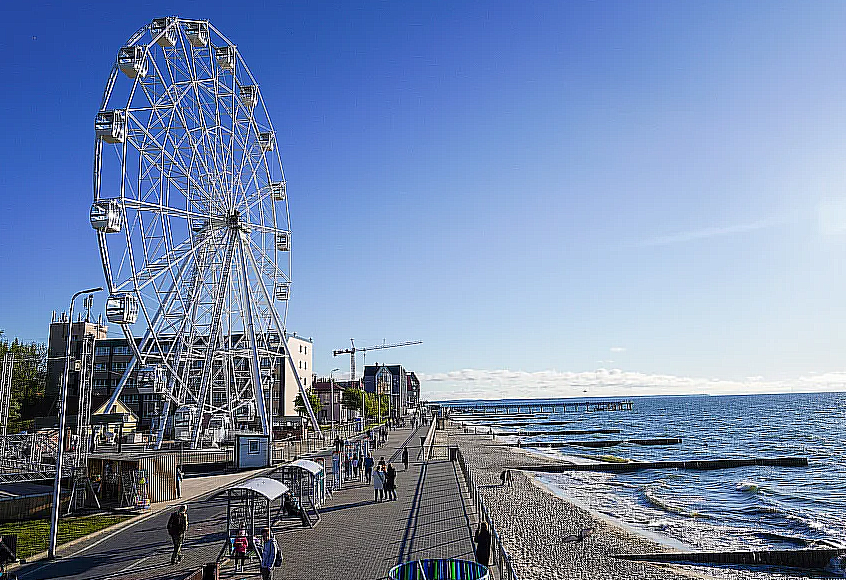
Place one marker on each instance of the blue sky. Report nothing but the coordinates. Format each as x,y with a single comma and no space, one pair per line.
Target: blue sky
534,190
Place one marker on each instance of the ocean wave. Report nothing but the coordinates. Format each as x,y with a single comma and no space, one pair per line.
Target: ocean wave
747,486
654,500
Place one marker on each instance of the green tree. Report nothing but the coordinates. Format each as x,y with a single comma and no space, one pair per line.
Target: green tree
29,378
313,400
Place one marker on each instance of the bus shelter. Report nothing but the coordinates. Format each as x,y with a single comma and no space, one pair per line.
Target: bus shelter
307,481
250,506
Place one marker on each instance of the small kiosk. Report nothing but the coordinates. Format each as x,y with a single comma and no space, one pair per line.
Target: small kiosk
252,505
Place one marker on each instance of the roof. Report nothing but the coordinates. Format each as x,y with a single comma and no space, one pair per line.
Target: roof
311,466
269,488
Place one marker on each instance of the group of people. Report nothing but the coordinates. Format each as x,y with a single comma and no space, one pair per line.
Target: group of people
271,556
384,482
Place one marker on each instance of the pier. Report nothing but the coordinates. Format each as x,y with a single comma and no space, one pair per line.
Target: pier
804,559
598,443
531,407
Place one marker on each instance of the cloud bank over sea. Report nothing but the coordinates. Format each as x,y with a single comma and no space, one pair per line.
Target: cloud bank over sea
507,384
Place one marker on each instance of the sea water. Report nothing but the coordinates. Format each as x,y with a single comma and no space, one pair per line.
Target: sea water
740,508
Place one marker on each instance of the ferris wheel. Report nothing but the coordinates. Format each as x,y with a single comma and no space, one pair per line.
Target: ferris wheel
190,209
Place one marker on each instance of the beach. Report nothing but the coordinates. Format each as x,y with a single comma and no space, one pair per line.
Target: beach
540,529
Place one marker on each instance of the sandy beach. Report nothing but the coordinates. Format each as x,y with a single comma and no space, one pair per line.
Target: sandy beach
539,528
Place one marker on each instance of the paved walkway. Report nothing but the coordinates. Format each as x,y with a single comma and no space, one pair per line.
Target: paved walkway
356,537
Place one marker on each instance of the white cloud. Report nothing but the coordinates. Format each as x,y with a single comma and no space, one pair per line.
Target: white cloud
681,237
501,384
618,349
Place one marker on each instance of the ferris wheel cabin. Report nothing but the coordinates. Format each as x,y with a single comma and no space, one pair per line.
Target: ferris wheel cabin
106,216
163,30
225,57
283,292
266,141
110,126
278,190
132,61
197,33
152,380
246,413
183,419
249,96
122,309
283,241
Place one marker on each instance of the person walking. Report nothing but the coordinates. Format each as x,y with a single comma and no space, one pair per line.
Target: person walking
405,457
483,544
268,554
177,527
368,467
239,550
378,484
355,467
178,478
390,483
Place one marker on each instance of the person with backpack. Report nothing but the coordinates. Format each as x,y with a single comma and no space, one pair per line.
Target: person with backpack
271,557
368,467
239,550
177,526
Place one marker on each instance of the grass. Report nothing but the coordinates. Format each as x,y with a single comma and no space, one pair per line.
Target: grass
612,459
33,535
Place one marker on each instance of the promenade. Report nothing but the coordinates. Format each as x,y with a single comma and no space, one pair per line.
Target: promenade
355,538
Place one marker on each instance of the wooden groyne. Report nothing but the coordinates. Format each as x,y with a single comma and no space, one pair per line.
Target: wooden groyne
598,442
812,559
698,464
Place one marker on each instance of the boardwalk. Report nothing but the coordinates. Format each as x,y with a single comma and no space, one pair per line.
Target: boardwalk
355,539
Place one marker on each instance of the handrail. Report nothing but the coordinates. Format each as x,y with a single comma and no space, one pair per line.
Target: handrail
500,555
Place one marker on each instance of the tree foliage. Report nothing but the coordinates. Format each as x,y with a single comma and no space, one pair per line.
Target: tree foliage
351,399
313,400
29,378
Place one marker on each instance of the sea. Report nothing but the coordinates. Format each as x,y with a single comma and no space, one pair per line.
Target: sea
742,508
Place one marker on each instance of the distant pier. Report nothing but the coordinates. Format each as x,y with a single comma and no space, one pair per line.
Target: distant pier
697,464
494,408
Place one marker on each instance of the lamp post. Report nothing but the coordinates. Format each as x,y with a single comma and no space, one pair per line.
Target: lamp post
332,399
57,481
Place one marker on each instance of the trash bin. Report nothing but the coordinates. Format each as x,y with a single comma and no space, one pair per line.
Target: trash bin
211,571
453,453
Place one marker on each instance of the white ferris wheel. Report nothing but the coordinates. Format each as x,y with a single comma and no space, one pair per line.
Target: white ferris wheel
190,209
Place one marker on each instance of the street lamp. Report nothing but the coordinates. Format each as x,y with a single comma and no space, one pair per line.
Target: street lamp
332,399
57,481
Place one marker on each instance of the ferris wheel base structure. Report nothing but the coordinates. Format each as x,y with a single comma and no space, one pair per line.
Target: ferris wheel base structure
191,214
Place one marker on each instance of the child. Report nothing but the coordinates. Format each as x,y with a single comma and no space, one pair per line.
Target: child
240,549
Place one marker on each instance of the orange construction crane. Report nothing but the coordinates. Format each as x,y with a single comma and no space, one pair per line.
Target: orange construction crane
354,349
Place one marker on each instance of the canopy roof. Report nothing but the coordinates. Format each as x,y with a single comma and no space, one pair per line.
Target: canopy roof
266,486
311,466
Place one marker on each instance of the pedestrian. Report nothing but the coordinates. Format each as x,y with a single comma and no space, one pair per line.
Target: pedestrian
239,550
268,554
390,483
405,457
483,544
355,466
348,466
368,467
177,527
378,484
178,479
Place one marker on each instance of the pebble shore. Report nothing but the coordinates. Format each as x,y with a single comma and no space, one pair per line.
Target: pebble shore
539,528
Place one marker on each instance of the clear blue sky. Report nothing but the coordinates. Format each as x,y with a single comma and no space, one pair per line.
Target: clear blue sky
524,186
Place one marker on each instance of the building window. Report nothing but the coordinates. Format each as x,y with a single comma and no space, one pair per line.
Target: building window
265,362
300,364
306,349
254,447
123,350
101,383
305,365
118,367
101,351
99,366
301,349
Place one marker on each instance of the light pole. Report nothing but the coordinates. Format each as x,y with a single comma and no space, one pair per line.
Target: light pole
332,399
57,481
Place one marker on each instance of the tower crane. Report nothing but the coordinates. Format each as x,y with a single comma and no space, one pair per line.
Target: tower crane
351,351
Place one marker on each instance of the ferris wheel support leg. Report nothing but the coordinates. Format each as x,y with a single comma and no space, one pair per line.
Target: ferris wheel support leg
281,328
251,336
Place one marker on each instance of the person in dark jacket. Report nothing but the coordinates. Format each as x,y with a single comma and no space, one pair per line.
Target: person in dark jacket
391,482
405,457
483,544
177,526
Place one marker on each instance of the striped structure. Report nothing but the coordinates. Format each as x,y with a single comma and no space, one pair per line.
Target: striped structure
439,569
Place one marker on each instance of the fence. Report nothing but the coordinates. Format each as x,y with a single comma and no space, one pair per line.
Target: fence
499,555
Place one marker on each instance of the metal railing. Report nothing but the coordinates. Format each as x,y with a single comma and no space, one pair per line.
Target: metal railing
499,555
